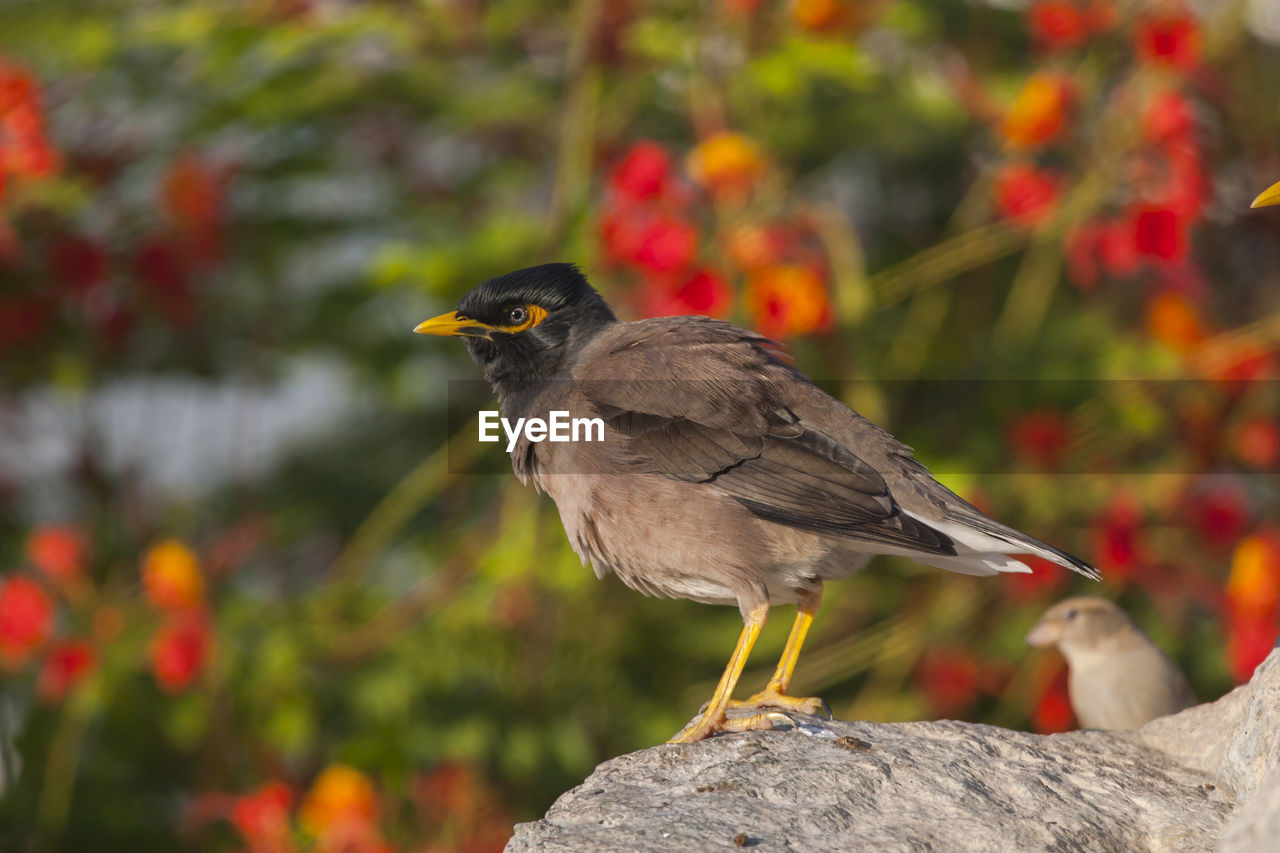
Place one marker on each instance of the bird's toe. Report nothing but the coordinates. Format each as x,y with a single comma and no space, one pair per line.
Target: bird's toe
811,705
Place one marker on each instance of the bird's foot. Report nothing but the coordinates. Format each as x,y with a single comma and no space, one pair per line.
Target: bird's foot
708,725
771,697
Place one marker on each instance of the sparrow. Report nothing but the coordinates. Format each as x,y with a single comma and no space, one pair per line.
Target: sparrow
1118,678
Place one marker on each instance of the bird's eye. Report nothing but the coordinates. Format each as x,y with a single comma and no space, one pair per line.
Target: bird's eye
516,316
1069,615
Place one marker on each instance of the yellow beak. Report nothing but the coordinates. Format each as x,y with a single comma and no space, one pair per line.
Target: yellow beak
1269,196
452,324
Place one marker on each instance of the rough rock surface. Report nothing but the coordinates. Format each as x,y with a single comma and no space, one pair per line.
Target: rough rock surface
1205,779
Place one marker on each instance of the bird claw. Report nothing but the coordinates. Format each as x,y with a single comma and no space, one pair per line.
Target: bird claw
702,727
811,705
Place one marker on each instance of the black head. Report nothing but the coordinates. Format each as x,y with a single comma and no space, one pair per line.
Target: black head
527,324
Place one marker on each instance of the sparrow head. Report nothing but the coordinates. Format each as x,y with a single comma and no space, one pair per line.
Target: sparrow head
527,324
1081,625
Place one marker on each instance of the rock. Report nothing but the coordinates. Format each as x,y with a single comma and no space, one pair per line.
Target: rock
1205,779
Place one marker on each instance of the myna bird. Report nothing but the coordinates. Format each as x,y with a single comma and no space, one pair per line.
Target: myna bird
1118,678
725,476
1268,197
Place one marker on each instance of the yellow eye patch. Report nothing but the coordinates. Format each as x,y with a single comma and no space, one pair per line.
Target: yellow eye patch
535,314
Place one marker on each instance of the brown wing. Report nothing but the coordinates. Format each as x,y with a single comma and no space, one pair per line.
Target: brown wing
703,401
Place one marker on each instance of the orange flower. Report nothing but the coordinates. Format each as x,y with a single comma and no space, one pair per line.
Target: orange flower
753,247
727,164
26,619
58,551
179,651
819,15
1174,322
171,576
1039,113
787,300
340,798
1253,587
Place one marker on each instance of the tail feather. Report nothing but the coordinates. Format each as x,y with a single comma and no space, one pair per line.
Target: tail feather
984,546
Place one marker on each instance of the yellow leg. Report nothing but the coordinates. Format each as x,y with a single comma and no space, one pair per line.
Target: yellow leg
775,692
713,718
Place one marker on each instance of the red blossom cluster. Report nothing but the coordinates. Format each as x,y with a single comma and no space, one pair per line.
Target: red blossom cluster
29,612
1146,232
1253,601
952,680
1052,713
107,291
174,585
25,150
340,813
650,229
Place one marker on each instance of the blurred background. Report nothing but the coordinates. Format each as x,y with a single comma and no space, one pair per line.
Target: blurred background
253,595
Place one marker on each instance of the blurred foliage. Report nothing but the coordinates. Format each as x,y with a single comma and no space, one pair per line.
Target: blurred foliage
1015,234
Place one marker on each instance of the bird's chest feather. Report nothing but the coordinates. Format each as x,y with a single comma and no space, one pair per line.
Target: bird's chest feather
663,537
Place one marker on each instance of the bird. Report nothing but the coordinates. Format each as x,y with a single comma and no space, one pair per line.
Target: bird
1119,679
725,476
1268,197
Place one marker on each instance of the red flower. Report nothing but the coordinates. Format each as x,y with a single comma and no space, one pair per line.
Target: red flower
1057,24
57,550
1168,39
22,320
667,245
1044,579
1158,232
702,292
949,680
78,263
1249,641
1026,195
66,666
1053,712
642,173
1220,513
1116,538
1116,249
1038,438
24,149
26,619
162,270
262,817
192,194
179,652
1169,118
1257,442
